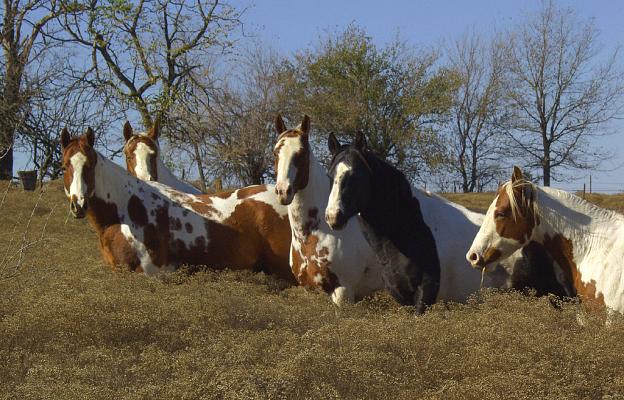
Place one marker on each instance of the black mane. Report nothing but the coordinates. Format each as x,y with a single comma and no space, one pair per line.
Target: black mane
394,226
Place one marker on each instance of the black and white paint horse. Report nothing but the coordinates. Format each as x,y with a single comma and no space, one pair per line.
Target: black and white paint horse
391,219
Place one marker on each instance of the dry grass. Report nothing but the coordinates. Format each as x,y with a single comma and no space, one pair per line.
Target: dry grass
69,328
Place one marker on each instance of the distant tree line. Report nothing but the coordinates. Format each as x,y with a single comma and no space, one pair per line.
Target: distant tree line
456,117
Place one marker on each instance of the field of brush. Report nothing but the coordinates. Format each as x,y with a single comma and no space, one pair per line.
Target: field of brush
70,328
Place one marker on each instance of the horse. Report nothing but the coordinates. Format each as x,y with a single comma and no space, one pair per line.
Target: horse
143,159
390,217
586,241
151,227
362,183
341,264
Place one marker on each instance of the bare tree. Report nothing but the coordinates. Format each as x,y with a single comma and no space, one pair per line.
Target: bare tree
560,93
477,112
143,52
54,102
227,130
23,25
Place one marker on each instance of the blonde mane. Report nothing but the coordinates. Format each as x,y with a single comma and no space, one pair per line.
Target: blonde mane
529,197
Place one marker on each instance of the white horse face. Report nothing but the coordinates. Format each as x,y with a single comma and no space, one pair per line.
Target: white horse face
79,160
292,160
141,153
508,224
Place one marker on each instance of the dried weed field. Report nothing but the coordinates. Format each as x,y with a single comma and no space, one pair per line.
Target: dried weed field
70,328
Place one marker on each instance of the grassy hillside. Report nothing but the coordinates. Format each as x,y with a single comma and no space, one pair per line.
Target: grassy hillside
70,328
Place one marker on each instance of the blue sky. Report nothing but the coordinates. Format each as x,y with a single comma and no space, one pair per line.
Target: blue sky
294,25
289,26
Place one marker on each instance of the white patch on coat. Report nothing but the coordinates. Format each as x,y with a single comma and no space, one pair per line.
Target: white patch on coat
142,153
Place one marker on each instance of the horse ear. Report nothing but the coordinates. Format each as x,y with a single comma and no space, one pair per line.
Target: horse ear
65,138
305,125
333,144
153,133
360,140
279,124
127,131
516,175
90,137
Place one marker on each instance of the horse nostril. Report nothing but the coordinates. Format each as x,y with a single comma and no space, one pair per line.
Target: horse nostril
474,257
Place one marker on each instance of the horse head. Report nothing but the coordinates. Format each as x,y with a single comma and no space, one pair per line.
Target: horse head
292,159
508,224
141,151
351,178
79,161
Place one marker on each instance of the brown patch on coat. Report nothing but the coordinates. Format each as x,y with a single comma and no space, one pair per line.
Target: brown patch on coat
188,227
262,229
250,191
519,229
137,211
312,266
222,195
115,248
129,152
491,255
561,250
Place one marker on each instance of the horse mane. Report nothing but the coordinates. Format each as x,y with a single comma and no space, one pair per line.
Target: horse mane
399,188
529,202
582,203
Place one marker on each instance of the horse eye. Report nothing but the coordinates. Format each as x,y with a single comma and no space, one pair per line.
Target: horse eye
500,214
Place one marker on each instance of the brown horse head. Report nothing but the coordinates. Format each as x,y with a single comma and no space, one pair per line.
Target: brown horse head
292,159
79,160
509,223
141,151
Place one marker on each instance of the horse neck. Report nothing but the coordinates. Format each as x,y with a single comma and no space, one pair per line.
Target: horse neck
385,195
112,186
585,225
165,176
313,196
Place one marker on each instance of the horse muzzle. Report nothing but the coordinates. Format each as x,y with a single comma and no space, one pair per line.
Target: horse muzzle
285,193
335,219
76,209
476,260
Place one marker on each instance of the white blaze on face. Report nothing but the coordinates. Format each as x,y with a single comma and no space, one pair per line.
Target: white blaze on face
78,188
488,238
333,204
286,171
142,153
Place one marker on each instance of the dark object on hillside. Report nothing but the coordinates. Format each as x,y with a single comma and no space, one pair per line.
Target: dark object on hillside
29,179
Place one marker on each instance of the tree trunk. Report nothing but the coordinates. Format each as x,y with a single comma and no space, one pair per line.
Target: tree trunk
6,162
200,168
546,165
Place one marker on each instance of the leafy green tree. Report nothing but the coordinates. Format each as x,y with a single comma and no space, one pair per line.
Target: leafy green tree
394,94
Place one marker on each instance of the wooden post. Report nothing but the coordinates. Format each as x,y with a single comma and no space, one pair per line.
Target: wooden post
583,191
590,182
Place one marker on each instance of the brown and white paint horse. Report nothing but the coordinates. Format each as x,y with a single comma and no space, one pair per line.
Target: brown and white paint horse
151,227
143,159
341,263
586,241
